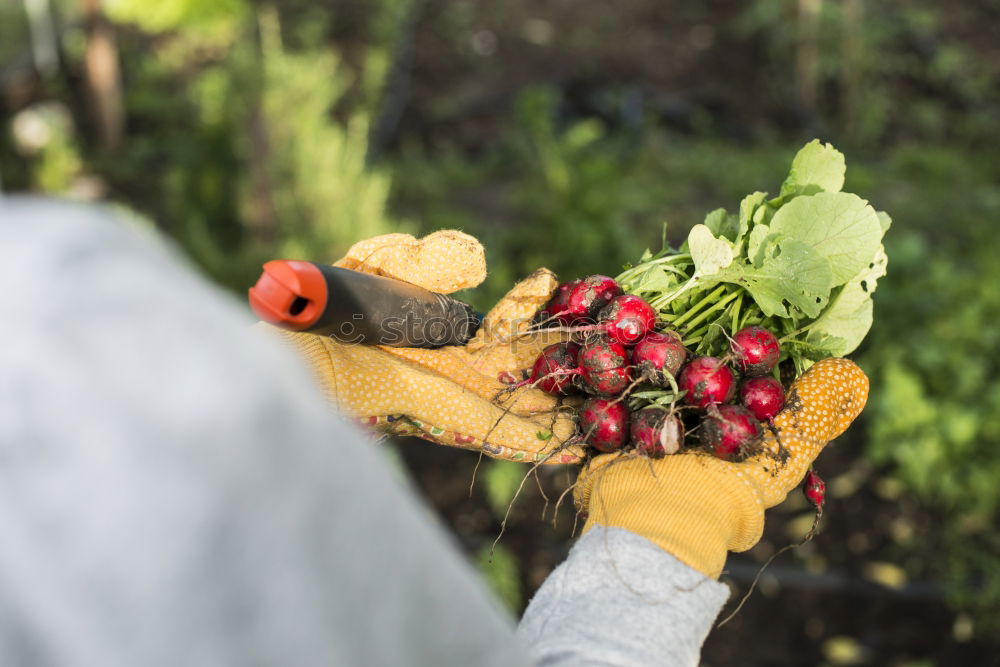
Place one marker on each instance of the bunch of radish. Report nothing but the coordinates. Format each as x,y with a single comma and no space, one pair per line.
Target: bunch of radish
618,359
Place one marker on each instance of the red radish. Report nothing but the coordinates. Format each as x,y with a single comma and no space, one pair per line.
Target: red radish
763,396
756,349
558,306
656,356
588,296
604,423
604,366
555,368
707,380
628,318
656,432
729,430
814,489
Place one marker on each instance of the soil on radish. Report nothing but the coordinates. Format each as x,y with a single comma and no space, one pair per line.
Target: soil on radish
658,356
731,432
604,424
656,432
756,351
627,319
558,307
604,366
587,297
707,380
763,396
555,368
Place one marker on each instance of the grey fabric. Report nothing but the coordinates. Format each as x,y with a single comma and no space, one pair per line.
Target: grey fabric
173,491
621,600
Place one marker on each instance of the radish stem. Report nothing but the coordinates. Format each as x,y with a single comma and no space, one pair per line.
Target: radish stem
698,306
715,307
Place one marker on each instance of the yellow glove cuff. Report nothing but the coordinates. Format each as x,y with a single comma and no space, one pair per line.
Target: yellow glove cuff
688,505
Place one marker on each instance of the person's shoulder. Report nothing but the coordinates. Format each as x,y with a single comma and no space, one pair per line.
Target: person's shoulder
26,219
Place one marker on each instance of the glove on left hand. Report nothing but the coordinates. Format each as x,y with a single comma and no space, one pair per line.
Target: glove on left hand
451,395
698,507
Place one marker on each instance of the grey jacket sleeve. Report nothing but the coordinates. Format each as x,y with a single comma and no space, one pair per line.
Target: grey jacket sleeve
621,600
173,490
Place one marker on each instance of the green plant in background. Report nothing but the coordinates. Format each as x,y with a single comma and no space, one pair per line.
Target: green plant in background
257,163
259,151
500,570
932,415
501,482
583,191
46,138
578,200
577,187
932,357
14,33
324,195
849,62
172,15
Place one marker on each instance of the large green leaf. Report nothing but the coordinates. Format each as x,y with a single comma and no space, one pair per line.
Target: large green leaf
885,221
748,206
845,323
721,224
759,238
790,272
816,168
841,227
710,254
656,279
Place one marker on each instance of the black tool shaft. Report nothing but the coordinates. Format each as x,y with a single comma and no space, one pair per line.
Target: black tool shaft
374,310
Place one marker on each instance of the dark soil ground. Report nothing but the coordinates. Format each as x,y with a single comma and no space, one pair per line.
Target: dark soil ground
842,599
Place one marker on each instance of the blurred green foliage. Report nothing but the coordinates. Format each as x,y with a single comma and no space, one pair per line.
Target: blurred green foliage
158,17
871,56
501,481
14,42
323,193
578,199
241,147
933,360
502,574
47,139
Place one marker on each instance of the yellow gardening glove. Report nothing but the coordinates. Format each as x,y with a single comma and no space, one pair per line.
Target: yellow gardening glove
451,395
698,507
